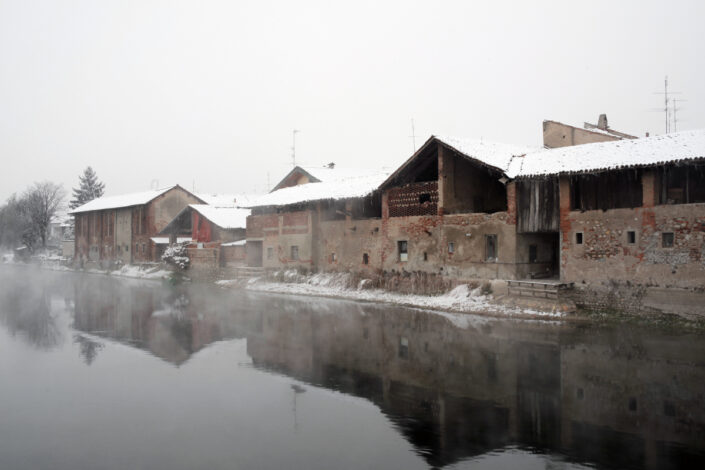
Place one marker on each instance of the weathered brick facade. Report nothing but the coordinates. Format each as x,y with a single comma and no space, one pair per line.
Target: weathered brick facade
124,234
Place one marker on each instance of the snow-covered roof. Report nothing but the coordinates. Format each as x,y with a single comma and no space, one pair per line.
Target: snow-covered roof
223,217
165,240
237,243
494,154
343,188
123,200
225,200
600,156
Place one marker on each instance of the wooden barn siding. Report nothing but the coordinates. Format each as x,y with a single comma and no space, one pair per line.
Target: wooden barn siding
537,205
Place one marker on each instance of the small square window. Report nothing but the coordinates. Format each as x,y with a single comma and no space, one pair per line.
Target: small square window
451,247
631,237
667,239
294,252
579,238
403,248
425,197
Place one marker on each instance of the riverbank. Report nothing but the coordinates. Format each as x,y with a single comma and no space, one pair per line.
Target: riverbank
463,298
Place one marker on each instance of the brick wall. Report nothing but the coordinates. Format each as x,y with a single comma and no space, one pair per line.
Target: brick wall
406,200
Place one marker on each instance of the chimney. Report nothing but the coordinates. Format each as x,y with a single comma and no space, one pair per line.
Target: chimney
647,134
331,165
602,122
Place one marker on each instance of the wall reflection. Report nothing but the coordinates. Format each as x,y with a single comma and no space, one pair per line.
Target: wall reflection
614,396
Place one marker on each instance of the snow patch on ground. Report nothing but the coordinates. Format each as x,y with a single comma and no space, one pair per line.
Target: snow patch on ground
461,299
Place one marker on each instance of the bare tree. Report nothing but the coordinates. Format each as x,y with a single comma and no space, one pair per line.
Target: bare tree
40,203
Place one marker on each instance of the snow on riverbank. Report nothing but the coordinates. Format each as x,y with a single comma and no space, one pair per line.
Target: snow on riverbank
461,299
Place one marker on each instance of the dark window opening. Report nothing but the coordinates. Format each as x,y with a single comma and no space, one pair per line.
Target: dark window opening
451,248
579,238
491,247
294,252
365,258
611,190
425,256
667,239
681,184
332,258
402,248
533,253
631,237
425,197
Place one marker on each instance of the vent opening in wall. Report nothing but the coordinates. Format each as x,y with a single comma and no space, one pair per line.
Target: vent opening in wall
579,238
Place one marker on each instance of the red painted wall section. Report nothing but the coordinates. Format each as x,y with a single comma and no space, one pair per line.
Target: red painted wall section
201,228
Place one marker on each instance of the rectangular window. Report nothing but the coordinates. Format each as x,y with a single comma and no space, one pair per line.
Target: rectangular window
365,258
451,248
294,252
667,239
631,237
533,253
270,252
402,248
144,248
491,247
332,258
579,238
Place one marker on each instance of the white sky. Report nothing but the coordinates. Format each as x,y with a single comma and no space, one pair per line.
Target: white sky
210,91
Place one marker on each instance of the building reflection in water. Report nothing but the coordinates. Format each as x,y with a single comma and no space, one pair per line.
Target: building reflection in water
614,396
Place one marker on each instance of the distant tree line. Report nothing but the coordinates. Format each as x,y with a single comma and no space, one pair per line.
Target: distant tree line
25,218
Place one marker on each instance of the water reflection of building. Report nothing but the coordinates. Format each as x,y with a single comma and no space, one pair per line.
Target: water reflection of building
172,324
618,397
458,392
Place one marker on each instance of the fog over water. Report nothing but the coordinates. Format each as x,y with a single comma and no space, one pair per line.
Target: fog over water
108,373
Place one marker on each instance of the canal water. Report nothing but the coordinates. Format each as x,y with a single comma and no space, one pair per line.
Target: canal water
105,373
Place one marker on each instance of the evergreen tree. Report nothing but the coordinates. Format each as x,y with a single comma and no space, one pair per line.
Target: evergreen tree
89,189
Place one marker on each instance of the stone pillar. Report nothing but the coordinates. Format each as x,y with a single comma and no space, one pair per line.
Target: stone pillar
385,205
446,182
511,202
564,222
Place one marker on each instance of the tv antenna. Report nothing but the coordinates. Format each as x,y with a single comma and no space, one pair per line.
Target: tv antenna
665,93
293,147
676,108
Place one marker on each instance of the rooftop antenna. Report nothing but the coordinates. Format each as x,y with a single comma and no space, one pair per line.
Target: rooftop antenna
413,135
665,101
293,147
675,108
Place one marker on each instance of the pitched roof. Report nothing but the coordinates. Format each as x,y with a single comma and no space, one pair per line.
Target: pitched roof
123,200
335,189
602,156
491,154
223,217
318,174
